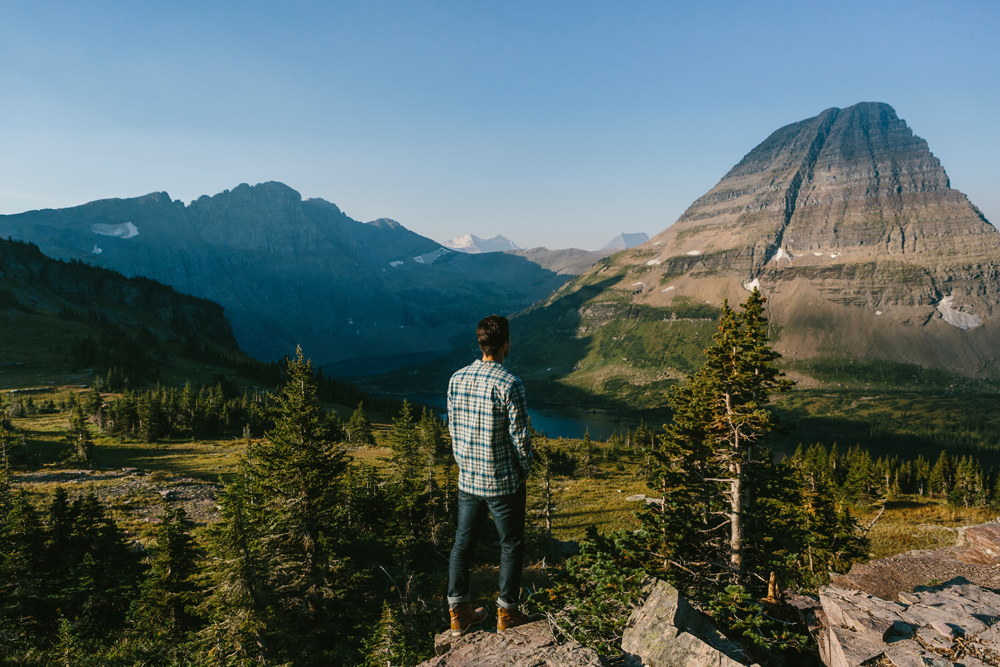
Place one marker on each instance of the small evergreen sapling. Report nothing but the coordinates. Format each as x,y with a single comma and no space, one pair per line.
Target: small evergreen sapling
359,429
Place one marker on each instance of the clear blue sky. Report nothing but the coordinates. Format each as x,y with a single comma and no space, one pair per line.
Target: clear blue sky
554,123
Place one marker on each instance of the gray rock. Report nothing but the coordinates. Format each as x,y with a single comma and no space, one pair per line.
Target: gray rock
531,645
954,623
668,632
975,556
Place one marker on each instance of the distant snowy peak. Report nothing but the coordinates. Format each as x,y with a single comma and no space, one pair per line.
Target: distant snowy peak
623,241
473,244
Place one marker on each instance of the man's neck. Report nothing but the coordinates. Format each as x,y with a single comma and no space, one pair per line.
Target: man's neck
497,359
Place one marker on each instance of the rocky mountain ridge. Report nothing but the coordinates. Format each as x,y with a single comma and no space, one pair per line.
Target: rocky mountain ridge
31,281
290,271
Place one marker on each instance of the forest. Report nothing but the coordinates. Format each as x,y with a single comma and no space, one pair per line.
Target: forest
324,555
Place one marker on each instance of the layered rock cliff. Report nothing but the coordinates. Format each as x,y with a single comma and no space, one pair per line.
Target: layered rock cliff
848,225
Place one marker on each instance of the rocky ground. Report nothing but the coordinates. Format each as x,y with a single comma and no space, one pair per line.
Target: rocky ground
137,495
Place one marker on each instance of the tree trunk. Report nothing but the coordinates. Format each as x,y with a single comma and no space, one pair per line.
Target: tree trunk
548,514
663,519
736,521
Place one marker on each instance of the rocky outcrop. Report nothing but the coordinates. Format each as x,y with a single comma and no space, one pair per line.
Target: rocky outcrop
952,623
531,645
668,632
896,611
976,558
665,632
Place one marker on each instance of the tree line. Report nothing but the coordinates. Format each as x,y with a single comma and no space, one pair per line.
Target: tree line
856,477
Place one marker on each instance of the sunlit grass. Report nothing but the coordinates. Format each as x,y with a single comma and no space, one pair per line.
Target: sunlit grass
913,522
910,522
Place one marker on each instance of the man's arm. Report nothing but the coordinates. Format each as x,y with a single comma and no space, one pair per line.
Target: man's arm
451,422
520,436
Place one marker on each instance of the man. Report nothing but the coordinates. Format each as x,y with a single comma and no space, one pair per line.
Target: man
488,422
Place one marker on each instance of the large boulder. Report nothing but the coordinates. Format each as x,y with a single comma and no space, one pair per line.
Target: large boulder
668,632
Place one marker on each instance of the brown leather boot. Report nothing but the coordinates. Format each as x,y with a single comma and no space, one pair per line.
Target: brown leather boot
511,618
463,618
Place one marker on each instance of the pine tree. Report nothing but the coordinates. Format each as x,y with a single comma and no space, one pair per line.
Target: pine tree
588,462
860,473
299,470
431,442
152,417
241,600
711,453
97,575
387,646
168,594
941,476
4,475
406,469
80,447
20,564
737,380
543,468
359,429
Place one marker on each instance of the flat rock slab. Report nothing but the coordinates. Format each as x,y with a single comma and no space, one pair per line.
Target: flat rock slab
975,557
956,623
530,645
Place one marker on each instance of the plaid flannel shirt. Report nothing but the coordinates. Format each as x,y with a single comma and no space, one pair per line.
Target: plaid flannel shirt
488,422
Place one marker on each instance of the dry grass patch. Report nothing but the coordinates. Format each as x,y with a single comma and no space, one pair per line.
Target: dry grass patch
912,522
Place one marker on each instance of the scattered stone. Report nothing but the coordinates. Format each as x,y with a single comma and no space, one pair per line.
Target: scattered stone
636,498
133,491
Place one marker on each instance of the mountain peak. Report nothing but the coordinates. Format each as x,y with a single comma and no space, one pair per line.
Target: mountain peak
847,223
385,223
624,240
474,245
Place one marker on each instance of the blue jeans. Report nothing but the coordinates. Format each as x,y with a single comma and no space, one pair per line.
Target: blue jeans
508,515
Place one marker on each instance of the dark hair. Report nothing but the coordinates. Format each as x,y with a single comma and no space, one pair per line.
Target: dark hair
493,332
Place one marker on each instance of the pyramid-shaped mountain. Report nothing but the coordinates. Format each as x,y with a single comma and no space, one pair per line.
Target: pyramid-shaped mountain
848,225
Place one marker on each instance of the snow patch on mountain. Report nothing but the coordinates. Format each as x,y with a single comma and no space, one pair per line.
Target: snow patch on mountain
956,317
431,257
782,254
125,230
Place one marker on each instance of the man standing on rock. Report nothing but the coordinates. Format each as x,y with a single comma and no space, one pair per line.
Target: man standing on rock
488,422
